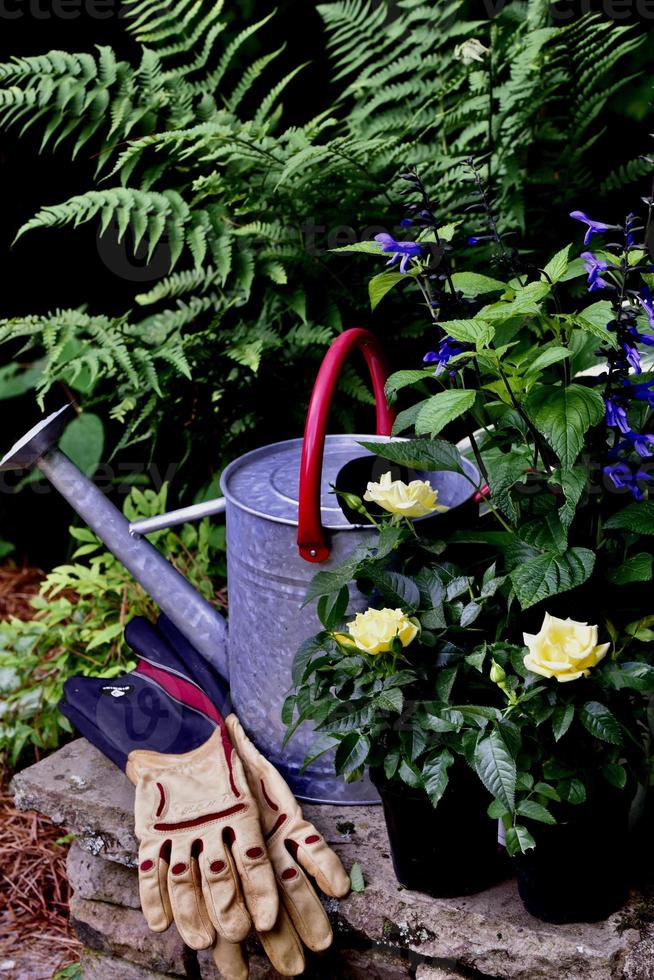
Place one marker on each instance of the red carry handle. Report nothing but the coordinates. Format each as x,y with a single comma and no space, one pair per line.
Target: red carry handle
310,536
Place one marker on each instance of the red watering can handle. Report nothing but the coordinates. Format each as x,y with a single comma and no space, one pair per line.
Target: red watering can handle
311,537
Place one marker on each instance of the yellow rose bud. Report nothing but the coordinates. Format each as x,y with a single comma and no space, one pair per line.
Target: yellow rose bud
497,673
415,499
374,630
346,643
564,649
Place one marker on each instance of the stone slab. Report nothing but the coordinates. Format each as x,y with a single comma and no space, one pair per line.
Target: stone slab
99,880
425,972
96,966
122,934
639,964
98,884
488,934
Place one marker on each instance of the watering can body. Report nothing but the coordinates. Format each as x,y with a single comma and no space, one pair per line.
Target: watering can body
267,584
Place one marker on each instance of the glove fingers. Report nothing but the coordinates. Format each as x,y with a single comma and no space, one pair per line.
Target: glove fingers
283,947
222,893
245,748
323,864
230,959
257,877
185,890
265,782
153,886
305,909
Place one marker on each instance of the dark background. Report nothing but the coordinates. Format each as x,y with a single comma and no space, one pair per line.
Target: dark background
50,269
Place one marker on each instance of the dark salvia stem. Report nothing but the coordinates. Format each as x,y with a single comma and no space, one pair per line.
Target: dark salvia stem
482,191
649,201
422,212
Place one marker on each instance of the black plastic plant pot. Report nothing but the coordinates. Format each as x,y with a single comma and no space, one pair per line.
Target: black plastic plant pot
579,871
446,850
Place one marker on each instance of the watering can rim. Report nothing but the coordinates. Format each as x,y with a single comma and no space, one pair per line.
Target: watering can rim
231,468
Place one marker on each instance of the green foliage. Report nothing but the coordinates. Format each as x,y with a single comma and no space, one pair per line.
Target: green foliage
79,619
550,86
575,740
357,882
437,680
71,972
197,165
391,710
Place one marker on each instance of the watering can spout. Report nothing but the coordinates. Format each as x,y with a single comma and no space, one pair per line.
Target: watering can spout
196,618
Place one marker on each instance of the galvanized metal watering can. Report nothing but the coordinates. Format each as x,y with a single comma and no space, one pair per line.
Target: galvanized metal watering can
282,521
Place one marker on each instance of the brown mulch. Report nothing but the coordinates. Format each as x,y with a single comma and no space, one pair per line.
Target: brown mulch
35,937
18,584
33,895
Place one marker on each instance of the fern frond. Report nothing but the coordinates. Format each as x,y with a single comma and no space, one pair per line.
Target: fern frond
180,283
152,214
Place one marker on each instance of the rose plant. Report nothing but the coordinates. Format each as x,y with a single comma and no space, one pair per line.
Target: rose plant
552,399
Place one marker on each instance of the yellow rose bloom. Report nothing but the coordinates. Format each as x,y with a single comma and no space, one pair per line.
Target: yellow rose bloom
374,630
564,649
415,499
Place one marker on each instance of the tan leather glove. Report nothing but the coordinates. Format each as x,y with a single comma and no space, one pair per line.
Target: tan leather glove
202,859
294,846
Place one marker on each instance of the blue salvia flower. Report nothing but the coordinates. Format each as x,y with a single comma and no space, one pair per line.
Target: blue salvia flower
623,478
647,302
593,227
595,267
616,416
638,441
630,229
633,357
402,251
447,349
641,391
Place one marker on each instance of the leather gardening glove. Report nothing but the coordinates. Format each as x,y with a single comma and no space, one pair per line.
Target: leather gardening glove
294,847
202,860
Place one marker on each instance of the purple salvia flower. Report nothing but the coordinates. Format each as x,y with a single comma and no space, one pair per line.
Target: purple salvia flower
594,268
402,251
616,416
618,473
647,302
593,227
641,391
639,442
447,349
623,478
633,357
